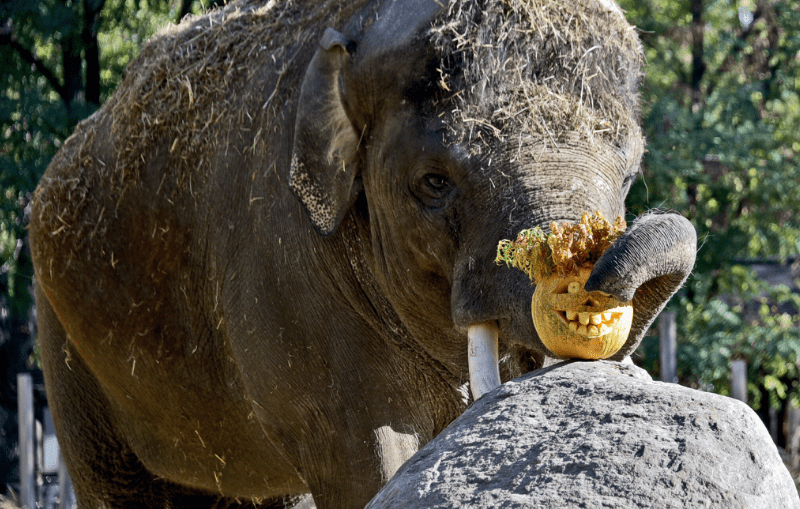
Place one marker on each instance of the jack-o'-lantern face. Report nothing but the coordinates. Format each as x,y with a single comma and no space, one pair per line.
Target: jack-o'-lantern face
574,323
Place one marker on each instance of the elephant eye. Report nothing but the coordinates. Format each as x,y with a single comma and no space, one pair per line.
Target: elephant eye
432,188
437,182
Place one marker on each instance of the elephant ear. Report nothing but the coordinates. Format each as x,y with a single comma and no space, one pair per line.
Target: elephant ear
323,172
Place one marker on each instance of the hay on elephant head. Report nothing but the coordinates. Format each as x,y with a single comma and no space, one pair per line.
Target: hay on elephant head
540,68
508,68
214,84
225,72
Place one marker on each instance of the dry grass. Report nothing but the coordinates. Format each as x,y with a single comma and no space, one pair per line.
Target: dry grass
513,67
541,68
187,88
7,503
509,69
565,250
193,84
214,83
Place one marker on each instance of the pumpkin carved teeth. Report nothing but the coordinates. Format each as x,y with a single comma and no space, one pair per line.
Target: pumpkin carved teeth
590,324
570,321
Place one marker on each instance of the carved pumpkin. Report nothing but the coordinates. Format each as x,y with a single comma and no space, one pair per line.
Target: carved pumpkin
574,323
570,321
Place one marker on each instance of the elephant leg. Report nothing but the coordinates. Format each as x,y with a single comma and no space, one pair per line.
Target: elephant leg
304,502
344,467
103,469
336,485
105,472
394,449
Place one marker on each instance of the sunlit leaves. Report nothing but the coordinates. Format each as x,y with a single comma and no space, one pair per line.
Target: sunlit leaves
730,164
124,29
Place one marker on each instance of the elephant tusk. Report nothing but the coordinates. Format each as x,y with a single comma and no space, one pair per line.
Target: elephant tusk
484,372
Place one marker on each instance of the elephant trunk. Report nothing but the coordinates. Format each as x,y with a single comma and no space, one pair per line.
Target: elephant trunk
646,265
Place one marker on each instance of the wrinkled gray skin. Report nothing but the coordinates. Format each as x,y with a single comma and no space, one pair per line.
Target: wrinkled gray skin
312,333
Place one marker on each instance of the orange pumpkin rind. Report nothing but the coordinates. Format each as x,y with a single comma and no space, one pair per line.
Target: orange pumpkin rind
574,323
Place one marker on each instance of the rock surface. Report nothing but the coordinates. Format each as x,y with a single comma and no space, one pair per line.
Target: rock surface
596,434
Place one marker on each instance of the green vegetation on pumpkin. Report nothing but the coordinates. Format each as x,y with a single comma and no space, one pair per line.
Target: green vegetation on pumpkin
567,248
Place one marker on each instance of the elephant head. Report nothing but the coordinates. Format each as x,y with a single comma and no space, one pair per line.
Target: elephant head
445,127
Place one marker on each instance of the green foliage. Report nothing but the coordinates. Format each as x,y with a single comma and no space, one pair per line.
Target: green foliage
722,113
33,123
127,25
529,253
751,325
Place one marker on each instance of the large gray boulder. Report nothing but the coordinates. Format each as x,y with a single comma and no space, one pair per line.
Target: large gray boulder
594,435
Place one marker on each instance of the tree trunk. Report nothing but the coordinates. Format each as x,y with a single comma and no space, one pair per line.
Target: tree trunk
698,62
91,23
186,8
73,82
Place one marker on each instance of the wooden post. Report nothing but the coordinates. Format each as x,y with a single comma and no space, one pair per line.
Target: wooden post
773,423
739,379
668,345
793,438
27,478
793,431
66,496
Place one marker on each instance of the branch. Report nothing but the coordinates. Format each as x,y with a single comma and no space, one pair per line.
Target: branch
186,9
7,39
774,44
698,53
91,48
91,14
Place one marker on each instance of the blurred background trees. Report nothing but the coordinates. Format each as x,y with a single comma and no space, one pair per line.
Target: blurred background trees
721,114
722,117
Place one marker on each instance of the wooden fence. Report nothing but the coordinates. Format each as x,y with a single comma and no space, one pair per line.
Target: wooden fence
668,357
667,332
39,456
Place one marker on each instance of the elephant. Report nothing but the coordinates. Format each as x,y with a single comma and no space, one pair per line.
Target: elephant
260,265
